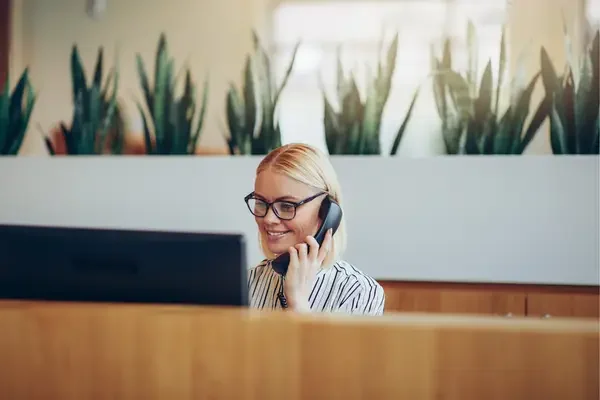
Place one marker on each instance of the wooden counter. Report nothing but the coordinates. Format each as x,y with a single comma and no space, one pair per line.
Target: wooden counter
92,351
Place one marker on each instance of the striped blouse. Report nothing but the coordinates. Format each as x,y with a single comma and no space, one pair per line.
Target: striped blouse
340,288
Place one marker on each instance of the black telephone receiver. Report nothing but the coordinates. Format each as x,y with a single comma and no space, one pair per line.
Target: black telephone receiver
331,215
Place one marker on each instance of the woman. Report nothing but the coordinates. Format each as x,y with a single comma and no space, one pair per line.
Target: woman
291,182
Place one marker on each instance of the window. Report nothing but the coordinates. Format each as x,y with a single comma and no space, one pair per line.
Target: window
358,26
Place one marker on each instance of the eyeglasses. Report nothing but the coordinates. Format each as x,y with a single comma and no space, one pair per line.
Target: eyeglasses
284,209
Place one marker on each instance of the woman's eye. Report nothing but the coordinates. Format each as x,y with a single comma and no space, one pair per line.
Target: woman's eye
286,207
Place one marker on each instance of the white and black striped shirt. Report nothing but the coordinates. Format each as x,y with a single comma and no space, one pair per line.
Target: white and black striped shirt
339,288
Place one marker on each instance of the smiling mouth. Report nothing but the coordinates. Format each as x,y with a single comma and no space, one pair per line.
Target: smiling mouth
276,234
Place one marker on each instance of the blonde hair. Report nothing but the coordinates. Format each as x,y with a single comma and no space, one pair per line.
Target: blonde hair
310,166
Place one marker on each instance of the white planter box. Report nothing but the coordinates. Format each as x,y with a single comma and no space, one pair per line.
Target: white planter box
521,219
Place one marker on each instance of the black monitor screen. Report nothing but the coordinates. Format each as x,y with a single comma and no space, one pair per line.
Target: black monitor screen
117,265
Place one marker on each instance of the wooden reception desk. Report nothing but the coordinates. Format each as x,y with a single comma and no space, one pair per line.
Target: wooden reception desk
91,351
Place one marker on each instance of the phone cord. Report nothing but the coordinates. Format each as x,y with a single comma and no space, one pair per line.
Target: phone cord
281,296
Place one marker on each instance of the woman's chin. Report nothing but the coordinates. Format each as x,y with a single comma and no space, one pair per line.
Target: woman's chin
279,248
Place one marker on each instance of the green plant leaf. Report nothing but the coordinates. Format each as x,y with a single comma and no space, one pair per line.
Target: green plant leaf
201,116
369,126
587,106
501,69
389,67
235,118
482,104
489,134
549,77
77,74
400,133
5,103
540,115
248,125
49,146
558,138
439,92
473,57
98,70
342,84
565,100
459,93
265,92
582,99
453,134
354,141
471,138
571,61
161,100
331,126
111,115
25,118
150,147
108,83
68,139
520,110
143,77
92,123
506,133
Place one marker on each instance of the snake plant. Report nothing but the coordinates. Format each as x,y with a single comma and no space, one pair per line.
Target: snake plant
355,128
251,111
169,128
95,112
15,112
472,122
574,102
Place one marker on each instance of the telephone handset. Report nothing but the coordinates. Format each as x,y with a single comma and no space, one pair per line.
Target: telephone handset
331,215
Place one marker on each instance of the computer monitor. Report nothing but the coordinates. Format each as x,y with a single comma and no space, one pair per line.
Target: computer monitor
118,265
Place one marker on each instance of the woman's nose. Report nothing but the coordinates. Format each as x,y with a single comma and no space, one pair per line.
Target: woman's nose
271,217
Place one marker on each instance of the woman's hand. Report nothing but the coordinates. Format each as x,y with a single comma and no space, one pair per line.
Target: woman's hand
305,261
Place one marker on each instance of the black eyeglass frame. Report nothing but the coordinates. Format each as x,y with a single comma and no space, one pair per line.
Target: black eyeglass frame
269,205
